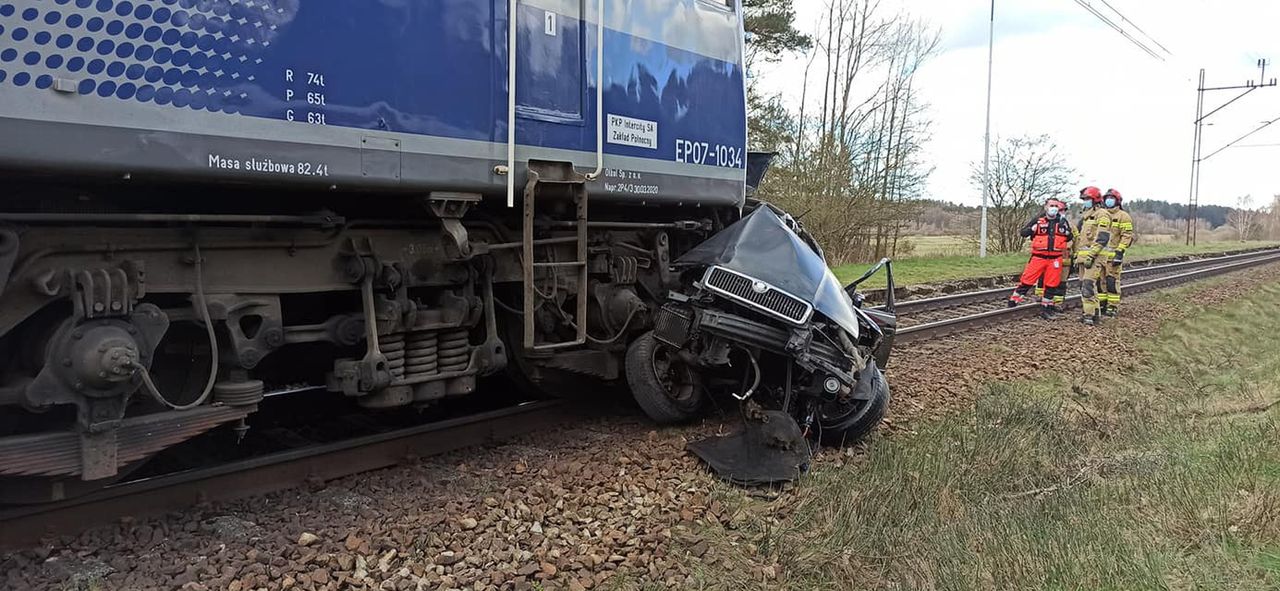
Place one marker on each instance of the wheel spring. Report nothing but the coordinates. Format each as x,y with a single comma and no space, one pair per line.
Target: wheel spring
238,393
455,350
392,347
422,354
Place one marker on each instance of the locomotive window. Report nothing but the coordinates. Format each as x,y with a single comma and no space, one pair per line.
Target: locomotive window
723,4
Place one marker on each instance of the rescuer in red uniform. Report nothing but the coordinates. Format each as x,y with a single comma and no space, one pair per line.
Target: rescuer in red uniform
1050,234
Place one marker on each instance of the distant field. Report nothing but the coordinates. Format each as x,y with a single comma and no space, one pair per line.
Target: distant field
962,262
936,246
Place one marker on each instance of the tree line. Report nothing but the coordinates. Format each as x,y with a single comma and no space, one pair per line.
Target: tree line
1214,215
943,218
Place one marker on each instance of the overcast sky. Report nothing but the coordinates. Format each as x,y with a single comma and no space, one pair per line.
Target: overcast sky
1123,119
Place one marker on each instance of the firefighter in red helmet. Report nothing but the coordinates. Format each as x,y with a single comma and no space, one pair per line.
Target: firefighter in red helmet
1113,252
1050,234
1094,234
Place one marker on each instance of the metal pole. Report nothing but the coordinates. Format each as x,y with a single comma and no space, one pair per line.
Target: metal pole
1195,199
986,138
1195,155
1197,159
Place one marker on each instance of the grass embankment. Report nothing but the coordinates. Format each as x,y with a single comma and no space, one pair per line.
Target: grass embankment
1164,477
916,271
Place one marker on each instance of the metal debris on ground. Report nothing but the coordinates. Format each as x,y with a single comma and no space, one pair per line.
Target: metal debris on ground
768,449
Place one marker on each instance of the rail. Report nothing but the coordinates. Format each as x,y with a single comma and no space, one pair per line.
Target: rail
1190,271
24,525
916,306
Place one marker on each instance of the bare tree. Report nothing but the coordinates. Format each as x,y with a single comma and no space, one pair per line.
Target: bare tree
1272,222
1025,172
850,158
1243,219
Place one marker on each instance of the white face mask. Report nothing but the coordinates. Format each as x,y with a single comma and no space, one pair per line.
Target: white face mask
1052,211
1109,202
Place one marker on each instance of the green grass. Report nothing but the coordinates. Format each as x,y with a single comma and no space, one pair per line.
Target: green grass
1165,475
937,269
936,246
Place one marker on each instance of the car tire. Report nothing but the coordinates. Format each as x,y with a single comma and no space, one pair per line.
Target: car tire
849,428
665,388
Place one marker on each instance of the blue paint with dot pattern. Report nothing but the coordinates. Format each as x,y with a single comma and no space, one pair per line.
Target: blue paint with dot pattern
432,67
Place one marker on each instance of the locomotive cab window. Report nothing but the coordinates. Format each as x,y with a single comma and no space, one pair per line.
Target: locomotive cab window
550,63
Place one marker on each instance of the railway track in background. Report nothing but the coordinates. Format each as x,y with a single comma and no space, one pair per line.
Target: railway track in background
24,525
940,316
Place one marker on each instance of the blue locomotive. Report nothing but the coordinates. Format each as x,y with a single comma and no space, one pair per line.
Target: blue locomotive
407,95
208,202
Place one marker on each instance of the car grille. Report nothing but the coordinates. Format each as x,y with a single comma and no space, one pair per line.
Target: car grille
673,326
772,300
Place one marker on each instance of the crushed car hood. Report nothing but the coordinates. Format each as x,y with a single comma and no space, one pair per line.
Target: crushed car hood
761,246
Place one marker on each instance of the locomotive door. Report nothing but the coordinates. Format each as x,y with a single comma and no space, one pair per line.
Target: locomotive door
550,62
545,69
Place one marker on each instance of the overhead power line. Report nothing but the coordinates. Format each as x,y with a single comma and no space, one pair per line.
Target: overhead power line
1233,142
1135,26
1119,29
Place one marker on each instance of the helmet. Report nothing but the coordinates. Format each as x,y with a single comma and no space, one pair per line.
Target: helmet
1116,194
1091,194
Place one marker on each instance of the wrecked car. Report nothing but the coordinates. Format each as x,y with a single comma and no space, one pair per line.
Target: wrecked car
760,319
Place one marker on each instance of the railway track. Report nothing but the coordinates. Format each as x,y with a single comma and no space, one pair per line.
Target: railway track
175,490
24,525
935,317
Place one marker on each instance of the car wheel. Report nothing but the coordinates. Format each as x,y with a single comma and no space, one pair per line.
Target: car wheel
848,422
664,386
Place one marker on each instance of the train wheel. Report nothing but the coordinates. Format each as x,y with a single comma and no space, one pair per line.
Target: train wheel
541,382
848,422
553,383
180,368
665,387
